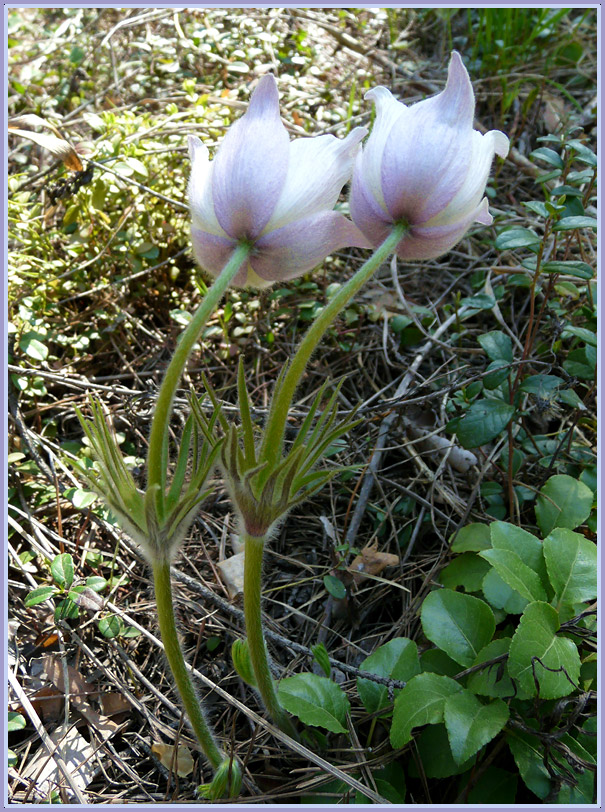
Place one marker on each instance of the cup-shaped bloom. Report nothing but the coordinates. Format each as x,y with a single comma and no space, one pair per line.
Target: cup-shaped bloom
274,194
424,165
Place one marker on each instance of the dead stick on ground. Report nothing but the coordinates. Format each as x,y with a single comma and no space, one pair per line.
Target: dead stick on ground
53,749
385,428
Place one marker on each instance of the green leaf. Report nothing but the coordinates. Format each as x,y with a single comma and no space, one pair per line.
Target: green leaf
82,498
472,538
31,345
493,680
506,536
110,626
571,561
397,659
470,724
536,638
97,583
335,587
516,237
466,570
581,270
435,755
435,661
516,574
62,569
540,384
484,420
36,596
497,345
529,758
569,223
15,722
315,701
66,610
420,703
12,758
501,596
548,155
459,624
563,502
322,658
583,333
495,787
582,791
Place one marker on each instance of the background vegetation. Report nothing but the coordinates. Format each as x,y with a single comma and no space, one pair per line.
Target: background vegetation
456,563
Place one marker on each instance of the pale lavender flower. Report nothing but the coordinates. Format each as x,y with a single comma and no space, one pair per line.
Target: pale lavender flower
276,194
426,166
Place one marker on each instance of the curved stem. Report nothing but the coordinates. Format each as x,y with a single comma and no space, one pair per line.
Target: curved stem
253,561
157,452
174,655
282,397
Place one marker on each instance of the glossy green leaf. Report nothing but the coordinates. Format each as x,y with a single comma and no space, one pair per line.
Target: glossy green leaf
484,420
15,722
582,791
39,595
459,624
110,626
497,345
335,587
322,658
32,345
493,680
501,596
581,270
396,659
569,223
495,787
571,561
516,574
563,502
62,569
66,610
516,237
420,703
537,653
529,758
472,538
467,570
435,754
470,724
315,701
506,536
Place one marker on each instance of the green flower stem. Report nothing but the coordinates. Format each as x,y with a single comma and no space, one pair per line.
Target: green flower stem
253,560
282,397
156,455
174,655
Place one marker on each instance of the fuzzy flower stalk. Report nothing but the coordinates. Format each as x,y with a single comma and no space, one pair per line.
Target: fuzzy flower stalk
417,188
160,518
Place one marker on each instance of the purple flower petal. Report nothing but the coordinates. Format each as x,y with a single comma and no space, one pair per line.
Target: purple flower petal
388,110
318,168
251,165
200,189
428,242
366,212
213,252
428,151
293,250
470,193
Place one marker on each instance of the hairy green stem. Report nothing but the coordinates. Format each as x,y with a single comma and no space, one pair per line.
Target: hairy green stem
174,655
253,561
282,397
157,453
